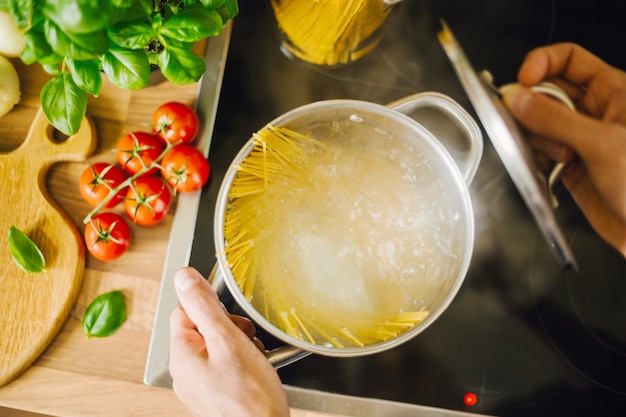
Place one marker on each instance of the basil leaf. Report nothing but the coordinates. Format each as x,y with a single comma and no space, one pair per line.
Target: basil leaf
52,69
64,103
133,35
20,11
80,16
127,68
28,55
37,47
86,74
192,24
181,66
137,8
105,315
228,10
128,3
25,252
81,46
188,46
212,4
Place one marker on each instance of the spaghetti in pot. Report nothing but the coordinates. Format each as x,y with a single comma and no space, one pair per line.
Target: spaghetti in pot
297,278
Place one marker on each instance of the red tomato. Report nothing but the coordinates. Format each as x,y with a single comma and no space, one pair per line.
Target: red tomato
107,236
147,201
137,150
175,123
98,180
185,168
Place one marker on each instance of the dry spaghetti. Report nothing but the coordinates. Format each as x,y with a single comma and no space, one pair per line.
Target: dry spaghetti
330,32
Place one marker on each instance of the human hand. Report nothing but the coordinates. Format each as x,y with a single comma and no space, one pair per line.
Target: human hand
593,139
217,369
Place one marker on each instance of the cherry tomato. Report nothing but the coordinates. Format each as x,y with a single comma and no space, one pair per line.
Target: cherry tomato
147,201
185,168
107,236
175,122
98,180
137,150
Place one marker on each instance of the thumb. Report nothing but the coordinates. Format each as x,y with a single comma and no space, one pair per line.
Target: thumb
201,303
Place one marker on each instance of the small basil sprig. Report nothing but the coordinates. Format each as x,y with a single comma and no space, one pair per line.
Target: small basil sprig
25,252
105,315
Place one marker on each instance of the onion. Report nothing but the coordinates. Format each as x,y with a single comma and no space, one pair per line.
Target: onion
9,86
12,40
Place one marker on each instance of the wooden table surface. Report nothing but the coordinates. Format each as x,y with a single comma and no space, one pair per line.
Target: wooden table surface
76,377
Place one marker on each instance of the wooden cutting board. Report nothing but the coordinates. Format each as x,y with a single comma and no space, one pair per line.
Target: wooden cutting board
34,306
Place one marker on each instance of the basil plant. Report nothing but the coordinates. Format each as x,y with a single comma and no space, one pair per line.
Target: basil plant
78,40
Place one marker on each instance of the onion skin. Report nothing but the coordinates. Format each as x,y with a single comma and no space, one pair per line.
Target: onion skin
9,86
12,41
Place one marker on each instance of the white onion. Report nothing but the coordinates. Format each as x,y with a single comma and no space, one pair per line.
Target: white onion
12,40
9,86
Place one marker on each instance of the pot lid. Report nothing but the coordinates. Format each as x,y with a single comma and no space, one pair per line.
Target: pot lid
510,145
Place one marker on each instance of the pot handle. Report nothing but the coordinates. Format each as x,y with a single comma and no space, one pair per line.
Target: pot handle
459,115
278,357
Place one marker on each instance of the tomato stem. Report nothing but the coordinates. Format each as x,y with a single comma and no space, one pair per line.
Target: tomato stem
127,183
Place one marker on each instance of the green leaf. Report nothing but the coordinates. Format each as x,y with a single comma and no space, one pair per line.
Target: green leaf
81,16
25,252
128,3
105,315
192,24
37,46
140,7
132,35
86,75
228,10
127,68
20,10
188,46
64,103
28,55
88,45
181,66
83,46
52,69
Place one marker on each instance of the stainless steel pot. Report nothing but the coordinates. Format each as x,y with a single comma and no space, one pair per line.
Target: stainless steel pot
393,120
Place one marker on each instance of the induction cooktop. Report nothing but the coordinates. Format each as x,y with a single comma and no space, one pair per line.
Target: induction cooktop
524,336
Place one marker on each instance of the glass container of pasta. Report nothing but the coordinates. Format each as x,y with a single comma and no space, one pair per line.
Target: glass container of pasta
330,32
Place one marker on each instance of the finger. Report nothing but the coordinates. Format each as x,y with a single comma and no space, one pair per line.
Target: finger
184,336
575,92
180,324
550,118
245,324
259,344
201,304
554,150
566,60
187,347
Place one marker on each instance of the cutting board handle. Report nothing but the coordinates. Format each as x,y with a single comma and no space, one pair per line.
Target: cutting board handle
33,307
44,137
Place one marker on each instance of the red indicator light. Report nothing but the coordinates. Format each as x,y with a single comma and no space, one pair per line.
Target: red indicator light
470,399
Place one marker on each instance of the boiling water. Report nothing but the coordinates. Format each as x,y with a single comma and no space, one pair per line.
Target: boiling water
368,232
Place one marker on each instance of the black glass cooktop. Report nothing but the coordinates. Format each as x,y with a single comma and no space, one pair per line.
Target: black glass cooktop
523,337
